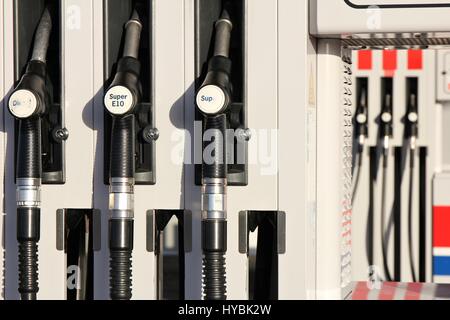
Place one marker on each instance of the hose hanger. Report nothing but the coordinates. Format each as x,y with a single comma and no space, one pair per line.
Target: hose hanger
121,100
213,101
28,103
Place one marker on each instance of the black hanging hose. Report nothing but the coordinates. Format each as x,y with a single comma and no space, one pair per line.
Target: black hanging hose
121,221
387,272
213,101
29,101
413,132
121,100
214,224
28,207
386,134
410,215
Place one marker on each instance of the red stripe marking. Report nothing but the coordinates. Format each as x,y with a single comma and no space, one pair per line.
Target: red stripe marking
365,60
415,59
388,291
414,291
361,292
389,62
441,226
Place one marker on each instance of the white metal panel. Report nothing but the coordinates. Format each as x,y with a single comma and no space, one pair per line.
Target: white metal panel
329,168
262,104
100,192
11,274
339,17
297,150
193,262
168,91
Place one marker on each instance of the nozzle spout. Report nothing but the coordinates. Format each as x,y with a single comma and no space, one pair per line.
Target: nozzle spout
223,35
42,38
133,36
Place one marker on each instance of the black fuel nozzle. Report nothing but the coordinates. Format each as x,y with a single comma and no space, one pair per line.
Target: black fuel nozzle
214,95
386,120
412,118
29,101
213,101
121,101
31,97
125,91
361,118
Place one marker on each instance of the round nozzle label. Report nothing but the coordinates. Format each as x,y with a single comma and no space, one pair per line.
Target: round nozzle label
361,118
118,100
413,117
211,99
386,117
22,104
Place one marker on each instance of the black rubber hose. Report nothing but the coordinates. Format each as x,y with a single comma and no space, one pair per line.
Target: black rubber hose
121,230
411,216
214,276
214,162
28,219
29,149
121,249
384,241
122,147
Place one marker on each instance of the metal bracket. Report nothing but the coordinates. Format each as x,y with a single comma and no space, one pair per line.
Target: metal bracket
248,222
61,230
183,216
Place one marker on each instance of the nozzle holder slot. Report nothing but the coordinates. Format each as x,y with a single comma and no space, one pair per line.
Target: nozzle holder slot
79,236
271,234
116,14
207,12
157,223
27,14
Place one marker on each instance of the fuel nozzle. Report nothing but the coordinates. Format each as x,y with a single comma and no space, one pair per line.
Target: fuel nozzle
361,118
413,121
121,100
386,121
213,101
125,91
29,101
214,96
31,96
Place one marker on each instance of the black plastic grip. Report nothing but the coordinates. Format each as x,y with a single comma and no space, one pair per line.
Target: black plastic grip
122,147
219,74
35,79
128,76
214,236
28,224
120,263
121,234
29,149
214,160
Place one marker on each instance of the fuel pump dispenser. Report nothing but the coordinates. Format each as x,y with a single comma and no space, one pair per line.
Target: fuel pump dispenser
29,101
213,101
121,101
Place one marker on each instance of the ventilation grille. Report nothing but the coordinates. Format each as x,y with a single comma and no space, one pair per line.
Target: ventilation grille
396,42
